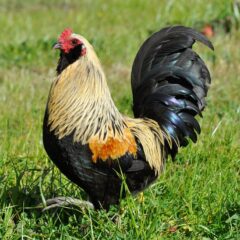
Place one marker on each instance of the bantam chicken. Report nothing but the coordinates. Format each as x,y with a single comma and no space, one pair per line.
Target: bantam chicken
93,144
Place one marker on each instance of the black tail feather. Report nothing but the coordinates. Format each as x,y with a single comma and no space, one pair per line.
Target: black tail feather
170,83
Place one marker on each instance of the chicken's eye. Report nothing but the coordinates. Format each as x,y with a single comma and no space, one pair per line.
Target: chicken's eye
74,41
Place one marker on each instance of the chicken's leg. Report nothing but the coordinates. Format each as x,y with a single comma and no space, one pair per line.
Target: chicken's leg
66,202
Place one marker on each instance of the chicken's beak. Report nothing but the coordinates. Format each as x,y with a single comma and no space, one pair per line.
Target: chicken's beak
57,45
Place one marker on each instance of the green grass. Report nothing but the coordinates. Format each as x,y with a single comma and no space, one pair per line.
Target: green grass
198,195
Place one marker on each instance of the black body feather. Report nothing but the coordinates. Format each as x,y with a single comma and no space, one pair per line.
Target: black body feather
170,82
102,181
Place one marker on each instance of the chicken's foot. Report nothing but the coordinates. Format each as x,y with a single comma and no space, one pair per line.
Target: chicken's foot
66,202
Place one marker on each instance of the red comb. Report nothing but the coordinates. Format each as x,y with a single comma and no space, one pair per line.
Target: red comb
65,34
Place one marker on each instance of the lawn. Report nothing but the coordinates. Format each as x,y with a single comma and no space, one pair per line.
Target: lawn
196,197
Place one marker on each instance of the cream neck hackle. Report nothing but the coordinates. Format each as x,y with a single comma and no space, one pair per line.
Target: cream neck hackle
80,101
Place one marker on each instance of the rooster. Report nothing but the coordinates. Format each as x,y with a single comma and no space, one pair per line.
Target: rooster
98,148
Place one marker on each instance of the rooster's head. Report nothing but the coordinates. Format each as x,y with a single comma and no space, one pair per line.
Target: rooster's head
68,42
72,47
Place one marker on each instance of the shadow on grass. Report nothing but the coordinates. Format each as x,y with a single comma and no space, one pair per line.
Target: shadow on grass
25,194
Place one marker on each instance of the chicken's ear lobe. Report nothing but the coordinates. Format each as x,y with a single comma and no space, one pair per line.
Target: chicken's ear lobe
84,50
